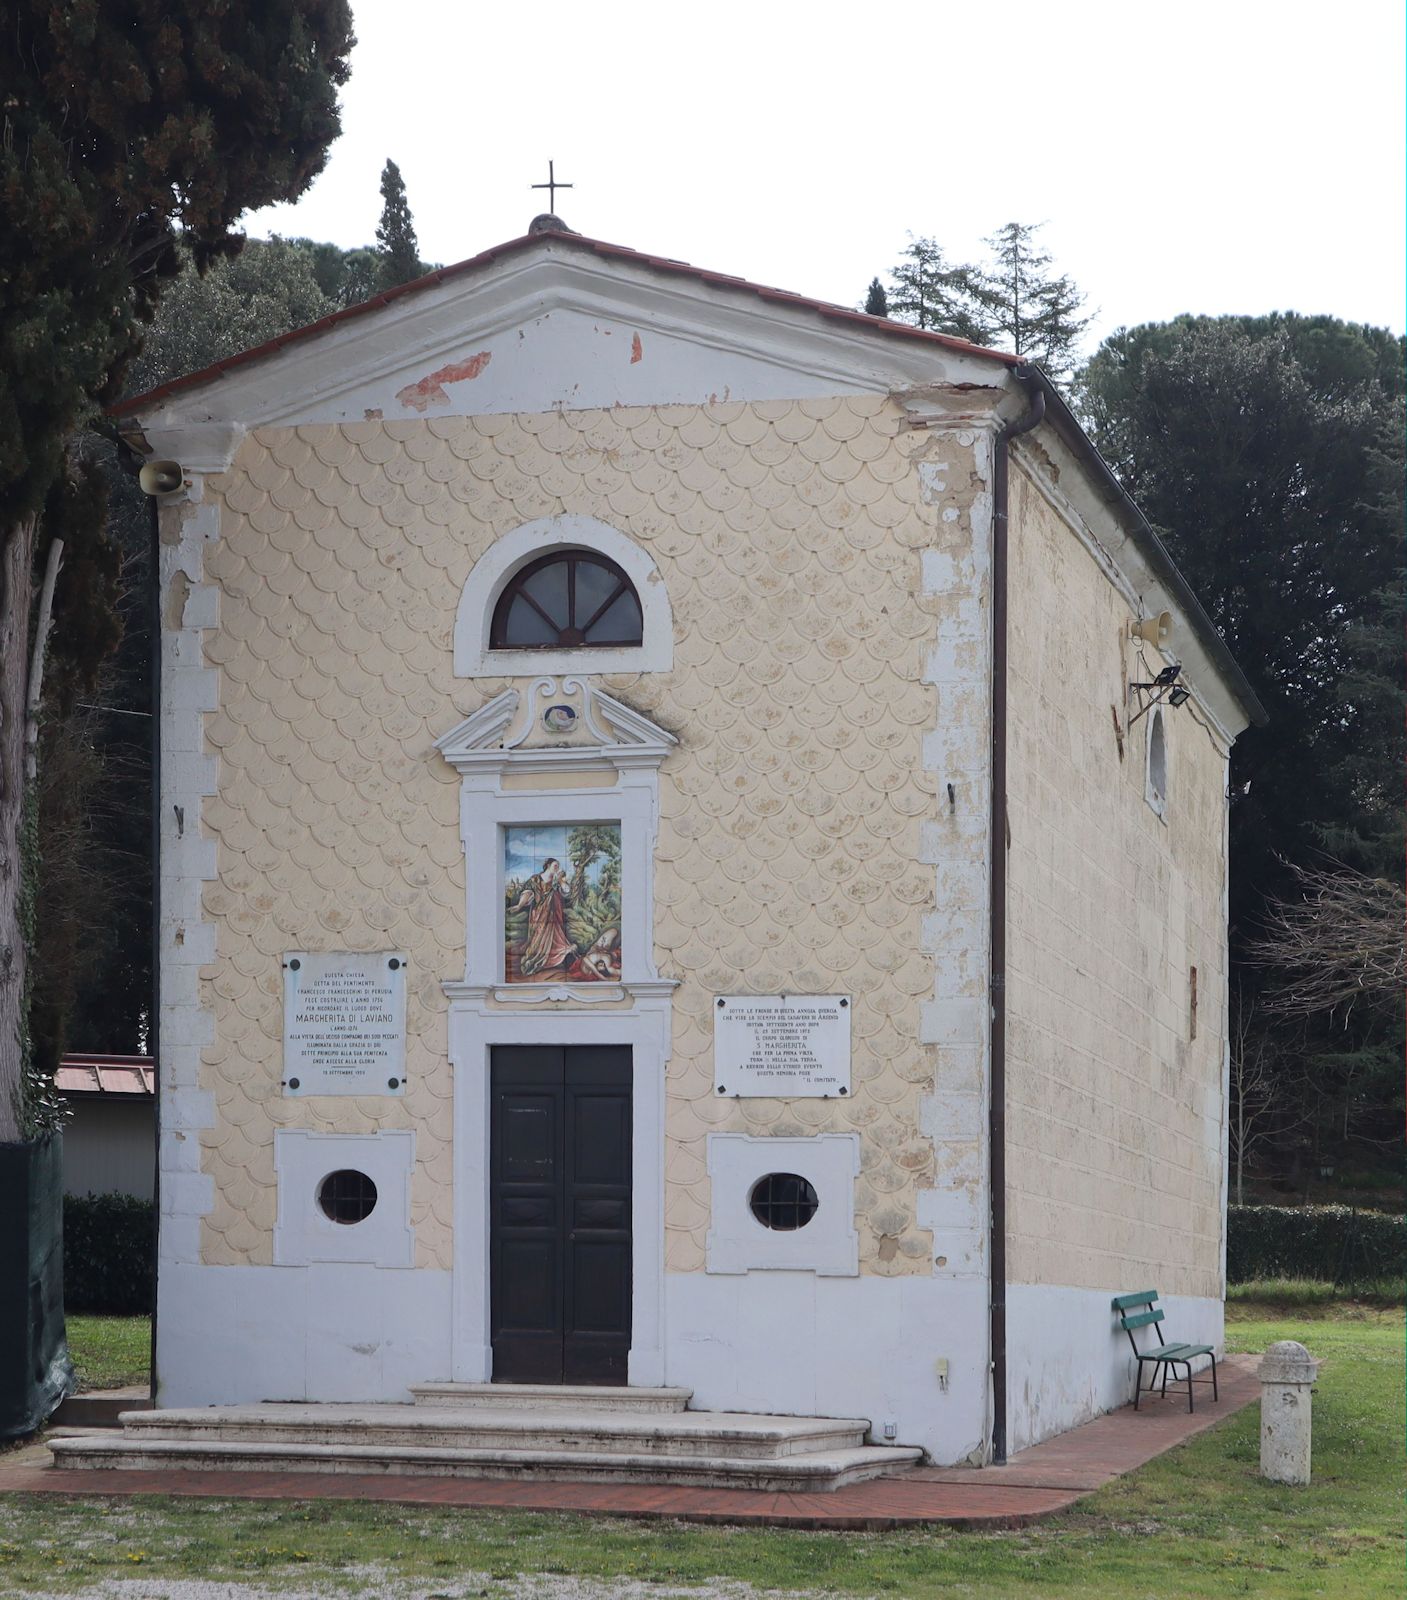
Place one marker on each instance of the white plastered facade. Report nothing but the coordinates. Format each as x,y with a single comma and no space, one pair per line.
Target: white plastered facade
797,755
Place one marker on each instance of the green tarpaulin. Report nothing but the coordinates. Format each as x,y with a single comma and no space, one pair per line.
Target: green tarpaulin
35,1370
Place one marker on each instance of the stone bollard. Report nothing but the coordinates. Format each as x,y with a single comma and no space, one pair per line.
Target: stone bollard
1287,1372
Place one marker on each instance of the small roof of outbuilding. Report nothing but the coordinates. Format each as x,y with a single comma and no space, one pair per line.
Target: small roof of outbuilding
118,1076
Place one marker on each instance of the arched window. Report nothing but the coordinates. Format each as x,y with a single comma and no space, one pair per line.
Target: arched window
1157,788
568,600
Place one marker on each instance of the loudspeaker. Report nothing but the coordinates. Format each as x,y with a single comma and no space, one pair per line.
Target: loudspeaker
161,477
1156,630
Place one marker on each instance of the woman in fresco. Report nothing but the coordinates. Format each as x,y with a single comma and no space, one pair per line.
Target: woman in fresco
545,898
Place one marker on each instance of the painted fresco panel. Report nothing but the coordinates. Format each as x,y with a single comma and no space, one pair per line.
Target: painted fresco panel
561,903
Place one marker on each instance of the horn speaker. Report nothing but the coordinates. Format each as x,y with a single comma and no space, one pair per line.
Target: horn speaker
1157,630
161,477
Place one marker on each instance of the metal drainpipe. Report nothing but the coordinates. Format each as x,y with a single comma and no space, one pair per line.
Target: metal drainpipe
996,943
154,1020
131,462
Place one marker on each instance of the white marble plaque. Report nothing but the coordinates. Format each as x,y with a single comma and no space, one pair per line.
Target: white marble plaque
344,1022
789,1046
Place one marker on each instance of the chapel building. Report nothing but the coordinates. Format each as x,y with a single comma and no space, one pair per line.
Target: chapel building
677,865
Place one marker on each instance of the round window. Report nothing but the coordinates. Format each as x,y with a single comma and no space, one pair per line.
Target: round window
347,1196
783,1200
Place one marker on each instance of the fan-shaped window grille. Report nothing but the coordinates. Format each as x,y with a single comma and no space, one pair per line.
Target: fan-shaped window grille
572,600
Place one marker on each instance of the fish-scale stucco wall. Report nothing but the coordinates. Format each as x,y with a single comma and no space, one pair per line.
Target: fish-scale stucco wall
1114,1114
789,536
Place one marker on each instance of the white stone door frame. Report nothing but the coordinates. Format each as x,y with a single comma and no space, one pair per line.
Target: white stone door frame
475,1027
605,770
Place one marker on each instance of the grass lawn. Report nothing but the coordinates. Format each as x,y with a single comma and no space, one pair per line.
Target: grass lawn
1198,1522
110,1352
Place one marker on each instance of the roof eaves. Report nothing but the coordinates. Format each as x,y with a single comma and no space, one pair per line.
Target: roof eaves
1145,537
662,264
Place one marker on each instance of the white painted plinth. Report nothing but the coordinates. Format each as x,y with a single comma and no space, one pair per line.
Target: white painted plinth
1068,1360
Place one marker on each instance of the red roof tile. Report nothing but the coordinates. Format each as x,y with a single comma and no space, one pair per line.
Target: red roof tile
661,264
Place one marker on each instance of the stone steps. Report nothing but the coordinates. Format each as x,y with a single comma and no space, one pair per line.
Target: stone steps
815,1470
599,1432
501,1431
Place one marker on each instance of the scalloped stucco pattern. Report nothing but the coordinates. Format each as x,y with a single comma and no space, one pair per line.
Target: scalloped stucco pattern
789,855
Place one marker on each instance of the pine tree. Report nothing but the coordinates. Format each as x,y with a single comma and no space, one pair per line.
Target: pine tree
929,293
1030,310
122,126
396,243
876,301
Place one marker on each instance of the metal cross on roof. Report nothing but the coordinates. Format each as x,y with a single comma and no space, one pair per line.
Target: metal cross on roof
552,187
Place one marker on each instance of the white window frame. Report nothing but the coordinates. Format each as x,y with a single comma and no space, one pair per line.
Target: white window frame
305,1234
475,658
501,743
737,1242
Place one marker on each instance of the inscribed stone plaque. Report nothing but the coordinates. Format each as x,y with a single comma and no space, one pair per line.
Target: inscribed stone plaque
344,1022
790,1046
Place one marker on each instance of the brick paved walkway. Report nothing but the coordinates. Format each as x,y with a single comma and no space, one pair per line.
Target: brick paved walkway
1033,1484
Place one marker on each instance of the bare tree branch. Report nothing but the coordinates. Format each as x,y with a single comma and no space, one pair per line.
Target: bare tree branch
1340,942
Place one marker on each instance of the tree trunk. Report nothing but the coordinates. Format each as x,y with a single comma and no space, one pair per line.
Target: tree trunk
16,563
34,689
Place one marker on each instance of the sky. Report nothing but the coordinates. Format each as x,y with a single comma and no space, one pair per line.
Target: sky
1243,156
525,849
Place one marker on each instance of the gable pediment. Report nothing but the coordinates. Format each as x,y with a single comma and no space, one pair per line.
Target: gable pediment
556,326
554,723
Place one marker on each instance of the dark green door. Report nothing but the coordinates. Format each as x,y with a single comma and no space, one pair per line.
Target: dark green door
560,1195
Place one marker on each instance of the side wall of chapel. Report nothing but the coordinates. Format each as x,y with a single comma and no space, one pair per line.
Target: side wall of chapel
1115,1114
796,851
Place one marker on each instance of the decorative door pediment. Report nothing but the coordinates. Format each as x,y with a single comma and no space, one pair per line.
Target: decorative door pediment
551,725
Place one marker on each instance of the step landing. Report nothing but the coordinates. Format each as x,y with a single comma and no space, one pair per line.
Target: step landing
497,1431
549,1397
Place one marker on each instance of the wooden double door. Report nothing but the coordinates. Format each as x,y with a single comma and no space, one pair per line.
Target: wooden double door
560,1214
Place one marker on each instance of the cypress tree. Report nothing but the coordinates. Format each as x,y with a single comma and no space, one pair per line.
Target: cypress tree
876,301
123,125
396,244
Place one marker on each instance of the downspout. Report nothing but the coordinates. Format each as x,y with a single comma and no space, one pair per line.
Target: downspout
154,1020
1030,380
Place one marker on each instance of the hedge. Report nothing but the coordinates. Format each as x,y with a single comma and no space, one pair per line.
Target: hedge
109,1249
1332,1244
109,1254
